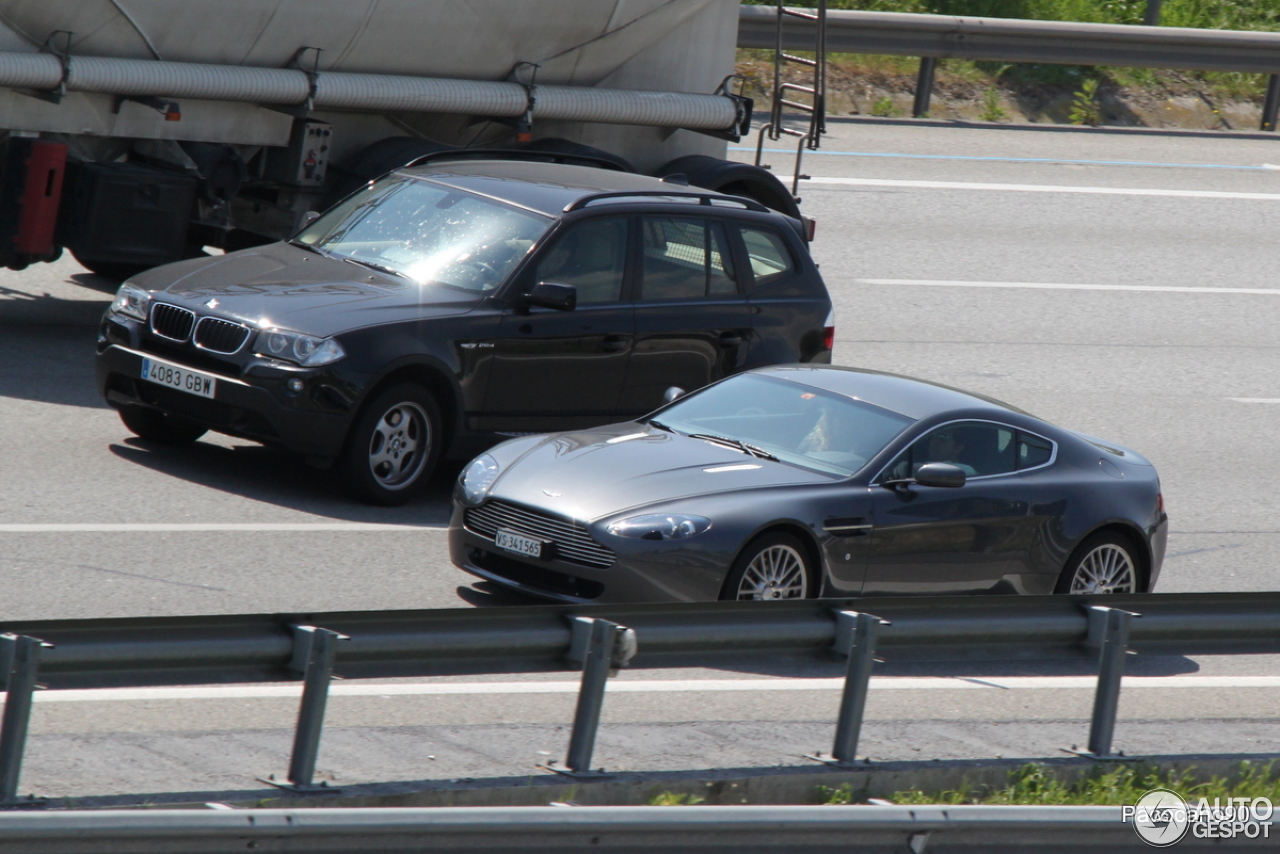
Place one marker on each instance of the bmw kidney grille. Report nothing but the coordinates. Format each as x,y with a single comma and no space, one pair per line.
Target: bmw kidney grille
220,336
172,322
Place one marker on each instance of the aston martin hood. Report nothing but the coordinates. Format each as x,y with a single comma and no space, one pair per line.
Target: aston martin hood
600,472
292,288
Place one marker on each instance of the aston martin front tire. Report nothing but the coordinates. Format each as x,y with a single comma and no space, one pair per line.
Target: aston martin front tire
772,567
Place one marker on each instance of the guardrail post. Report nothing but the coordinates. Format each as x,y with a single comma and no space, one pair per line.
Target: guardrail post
1272,104
856,635
602,647
23,654
1109,631
1151,18
924,86
314,650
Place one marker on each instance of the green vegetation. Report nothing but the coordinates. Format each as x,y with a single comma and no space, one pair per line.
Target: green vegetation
674,799
1200,14
992,110
1104,785
884,107
1085,108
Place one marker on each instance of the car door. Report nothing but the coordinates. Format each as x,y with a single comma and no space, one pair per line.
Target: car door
560,370
693,324
975,538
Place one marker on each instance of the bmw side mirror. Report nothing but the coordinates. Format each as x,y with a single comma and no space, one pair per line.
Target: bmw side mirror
673,394
310,217
551,295
940,474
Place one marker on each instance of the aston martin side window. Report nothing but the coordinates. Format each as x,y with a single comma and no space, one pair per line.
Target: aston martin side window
1033,451
684,258
591,256
770,259
979,449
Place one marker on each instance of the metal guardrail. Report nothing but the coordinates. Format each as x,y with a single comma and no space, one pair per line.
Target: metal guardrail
618,830
1015,40
274,647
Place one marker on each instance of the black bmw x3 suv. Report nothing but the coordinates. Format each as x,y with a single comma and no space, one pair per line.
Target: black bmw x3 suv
445,306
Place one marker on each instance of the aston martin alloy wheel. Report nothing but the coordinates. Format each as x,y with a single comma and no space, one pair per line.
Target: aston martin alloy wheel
393,445
773,567
1102,564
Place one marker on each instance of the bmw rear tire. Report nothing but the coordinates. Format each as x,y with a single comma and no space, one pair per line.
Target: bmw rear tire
393,446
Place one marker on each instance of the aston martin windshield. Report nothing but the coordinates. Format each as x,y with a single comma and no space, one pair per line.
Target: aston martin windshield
798,424
427,232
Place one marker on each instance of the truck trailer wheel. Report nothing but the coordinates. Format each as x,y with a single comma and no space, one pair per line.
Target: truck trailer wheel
734,179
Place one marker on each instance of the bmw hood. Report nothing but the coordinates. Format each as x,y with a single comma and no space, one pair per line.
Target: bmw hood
291,288
596,473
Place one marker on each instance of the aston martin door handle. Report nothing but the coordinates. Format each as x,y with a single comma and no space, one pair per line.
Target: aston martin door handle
613,343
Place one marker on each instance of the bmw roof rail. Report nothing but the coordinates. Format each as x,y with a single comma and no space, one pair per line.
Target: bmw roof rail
701,198
514,154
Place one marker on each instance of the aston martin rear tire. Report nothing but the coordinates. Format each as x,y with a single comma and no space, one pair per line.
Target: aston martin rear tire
1106,562
772,567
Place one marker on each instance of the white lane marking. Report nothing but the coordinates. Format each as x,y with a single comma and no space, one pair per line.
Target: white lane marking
1043,188
1255,399
196,527
1055,286
644,686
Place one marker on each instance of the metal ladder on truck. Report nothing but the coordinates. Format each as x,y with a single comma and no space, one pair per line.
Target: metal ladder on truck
817,92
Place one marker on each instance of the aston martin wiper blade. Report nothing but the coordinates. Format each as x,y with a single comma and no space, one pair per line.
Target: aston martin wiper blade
721,440
654,423
757,451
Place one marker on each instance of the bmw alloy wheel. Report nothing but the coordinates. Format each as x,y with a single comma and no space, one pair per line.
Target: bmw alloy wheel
399,444
776,572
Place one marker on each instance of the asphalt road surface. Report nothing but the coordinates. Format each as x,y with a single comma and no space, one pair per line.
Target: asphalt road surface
1118,283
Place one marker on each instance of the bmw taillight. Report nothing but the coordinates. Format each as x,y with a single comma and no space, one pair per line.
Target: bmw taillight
829,330
1159,502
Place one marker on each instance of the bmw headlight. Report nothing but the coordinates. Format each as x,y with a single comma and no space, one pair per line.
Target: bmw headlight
477,477
306,350
660,526
131,301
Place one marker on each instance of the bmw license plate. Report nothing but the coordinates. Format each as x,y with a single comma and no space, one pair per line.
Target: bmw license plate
527,546
183,379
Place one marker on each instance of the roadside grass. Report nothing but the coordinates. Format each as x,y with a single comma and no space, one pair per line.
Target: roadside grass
1263,15
1104,786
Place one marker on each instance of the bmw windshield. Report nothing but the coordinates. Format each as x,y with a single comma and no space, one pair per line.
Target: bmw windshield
430,233
793,423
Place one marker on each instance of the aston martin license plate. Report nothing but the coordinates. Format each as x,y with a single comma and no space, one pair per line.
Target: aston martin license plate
183,379
527,546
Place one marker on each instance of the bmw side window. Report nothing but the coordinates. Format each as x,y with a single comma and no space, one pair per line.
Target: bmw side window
1033,451
684,259
591,256
768,254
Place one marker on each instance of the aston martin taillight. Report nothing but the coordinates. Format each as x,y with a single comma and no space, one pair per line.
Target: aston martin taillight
829,330
1159,502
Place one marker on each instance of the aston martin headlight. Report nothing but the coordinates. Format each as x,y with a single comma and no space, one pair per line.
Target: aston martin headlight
477,477
131,301
660,526
306,350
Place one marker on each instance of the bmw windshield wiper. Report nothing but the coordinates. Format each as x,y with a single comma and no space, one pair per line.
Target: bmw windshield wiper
307,246
372,266
652,423
735,443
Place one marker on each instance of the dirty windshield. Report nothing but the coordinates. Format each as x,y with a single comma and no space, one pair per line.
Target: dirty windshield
427,232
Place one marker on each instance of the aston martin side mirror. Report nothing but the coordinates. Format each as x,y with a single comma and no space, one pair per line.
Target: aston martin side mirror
940,474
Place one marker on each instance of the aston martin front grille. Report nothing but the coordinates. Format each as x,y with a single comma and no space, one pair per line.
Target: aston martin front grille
220,336
573,543
172,322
